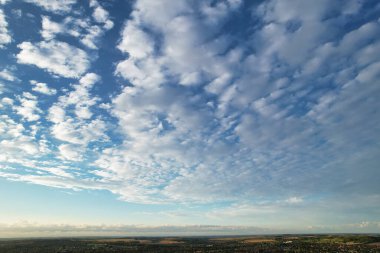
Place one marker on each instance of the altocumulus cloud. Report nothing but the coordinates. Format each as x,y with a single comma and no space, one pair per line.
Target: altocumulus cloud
5,37
264,108
56,57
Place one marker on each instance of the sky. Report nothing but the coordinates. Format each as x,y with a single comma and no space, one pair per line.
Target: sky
189,117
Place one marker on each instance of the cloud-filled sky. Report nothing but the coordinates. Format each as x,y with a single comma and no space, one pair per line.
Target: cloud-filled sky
225,116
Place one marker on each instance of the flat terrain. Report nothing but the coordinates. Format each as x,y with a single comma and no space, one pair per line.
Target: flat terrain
262,244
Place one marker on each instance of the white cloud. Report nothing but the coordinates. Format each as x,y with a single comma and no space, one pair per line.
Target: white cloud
89,80
56,6
216,13
80,133
56,181
21,148
70,152
135,41
219,83
294,200
50,28
10,128
55,57
81,97
185,50
93,34
81,28
56,171
4,1
7,101
28,108
71,26
14,143
24,144
43,88
72,115
83,112
5,37
101,15
8,75
56,114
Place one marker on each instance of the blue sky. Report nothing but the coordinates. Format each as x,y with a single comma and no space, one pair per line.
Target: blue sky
189,117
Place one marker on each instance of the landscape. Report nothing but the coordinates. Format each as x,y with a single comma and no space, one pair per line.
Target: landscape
269,243
189,126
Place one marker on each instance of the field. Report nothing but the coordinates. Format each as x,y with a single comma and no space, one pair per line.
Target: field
277,243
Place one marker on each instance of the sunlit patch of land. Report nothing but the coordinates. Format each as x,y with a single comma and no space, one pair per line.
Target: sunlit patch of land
246,239
170,241
123,240
258,240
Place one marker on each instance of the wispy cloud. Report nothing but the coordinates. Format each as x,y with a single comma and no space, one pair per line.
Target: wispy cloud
56,6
